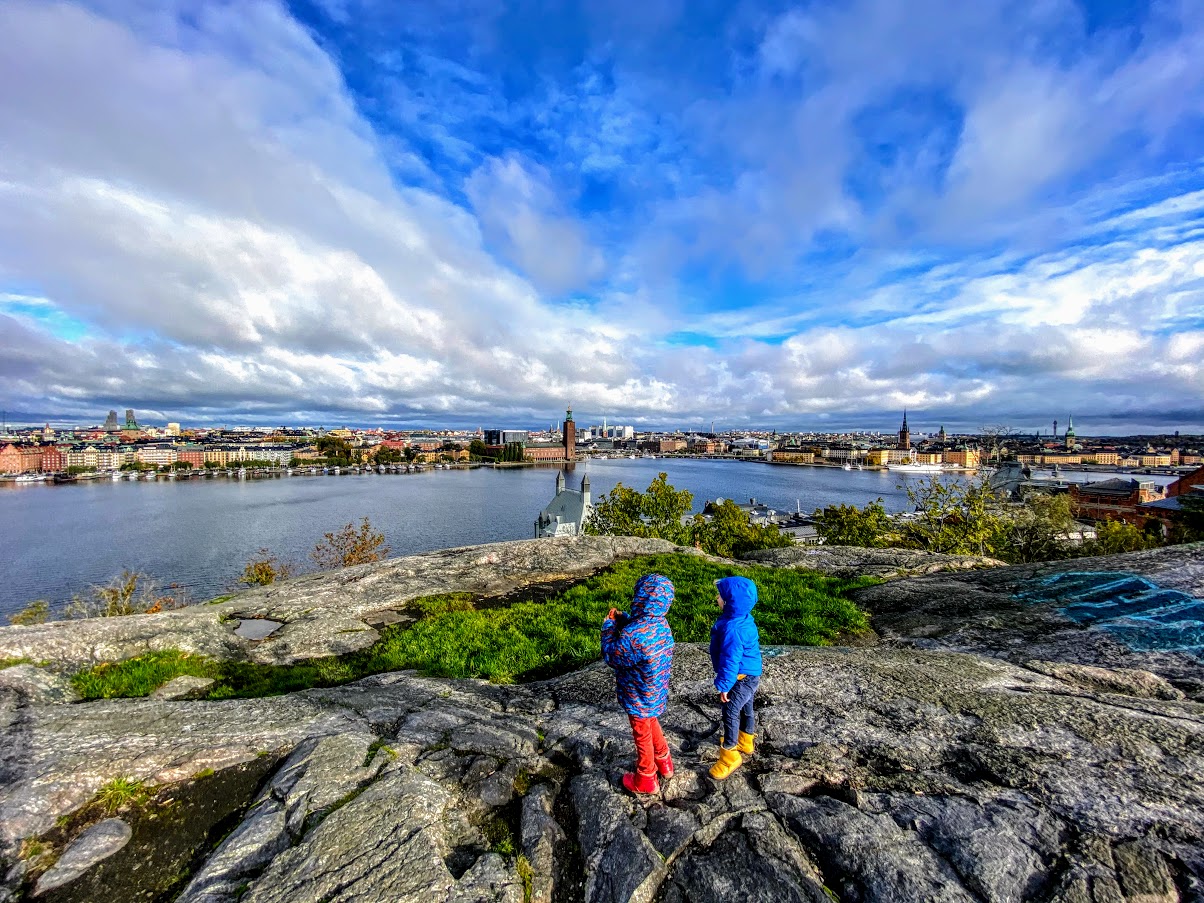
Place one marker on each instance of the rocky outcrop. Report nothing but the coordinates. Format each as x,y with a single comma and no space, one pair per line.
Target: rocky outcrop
1142,611
852,561
881,774
991,748
329,613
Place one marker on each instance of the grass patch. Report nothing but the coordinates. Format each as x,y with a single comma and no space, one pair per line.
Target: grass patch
378,745
526,875
522,641
121,792
443,603
11,662
499,836
141,676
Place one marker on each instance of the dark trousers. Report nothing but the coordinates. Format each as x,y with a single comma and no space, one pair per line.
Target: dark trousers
738,712
650,744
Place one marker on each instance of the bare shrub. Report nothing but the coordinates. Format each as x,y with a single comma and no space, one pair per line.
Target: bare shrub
265,570
133,593
36,612
350,546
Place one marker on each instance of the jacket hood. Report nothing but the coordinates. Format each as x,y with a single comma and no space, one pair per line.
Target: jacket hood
739,596
653,596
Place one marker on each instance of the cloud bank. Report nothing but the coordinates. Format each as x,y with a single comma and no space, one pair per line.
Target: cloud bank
661,213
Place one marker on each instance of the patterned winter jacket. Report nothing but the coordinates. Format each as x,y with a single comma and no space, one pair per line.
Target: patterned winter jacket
735,642
641,649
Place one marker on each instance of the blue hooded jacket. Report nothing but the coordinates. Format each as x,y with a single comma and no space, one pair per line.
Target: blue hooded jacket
641,651
735,643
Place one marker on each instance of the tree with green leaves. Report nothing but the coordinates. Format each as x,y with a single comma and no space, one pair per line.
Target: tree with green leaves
1188,522
656,513
1115,536
731,533
954,518
1037,530
848,525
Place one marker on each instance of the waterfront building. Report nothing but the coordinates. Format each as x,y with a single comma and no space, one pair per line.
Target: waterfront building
1102,457
192,454
568,511
505,437
20,459
962,457
544,451
156,455
1116,499
52,459
792,456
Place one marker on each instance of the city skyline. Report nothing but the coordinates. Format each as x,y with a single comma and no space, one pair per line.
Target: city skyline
1055,428
763,214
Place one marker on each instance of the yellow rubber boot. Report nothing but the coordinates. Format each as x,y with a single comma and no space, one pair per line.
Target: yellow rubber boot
729,761
744,743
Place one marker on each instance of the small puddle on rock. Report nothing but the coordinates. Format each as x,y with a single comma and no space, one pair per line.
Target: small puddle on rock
256,628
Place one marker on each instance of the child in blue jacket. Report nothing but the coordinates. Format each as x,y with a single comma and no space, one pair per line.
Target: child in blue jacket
736,657
639,647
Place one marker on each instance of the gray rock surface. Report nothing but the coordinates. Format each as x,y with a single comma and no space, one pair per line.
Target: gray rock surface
98,842
326,613
853,561
185,686
888,773
1018,613
37,686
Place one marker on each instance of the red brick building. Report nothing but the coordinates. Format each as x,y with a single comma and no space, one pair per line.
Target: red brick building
53,459
193,456
1186,483
1113,499
544,452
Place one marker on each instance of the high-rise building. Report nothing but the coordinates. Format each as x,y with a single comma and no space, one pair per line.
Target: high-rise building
130,422
111,425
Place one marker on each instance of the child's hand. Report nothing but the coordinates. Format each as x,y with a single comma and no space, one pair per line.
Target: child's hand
723,697
612,615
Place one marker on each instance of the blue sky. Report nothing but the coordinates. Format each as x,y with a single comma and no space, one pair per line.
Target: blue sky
786,215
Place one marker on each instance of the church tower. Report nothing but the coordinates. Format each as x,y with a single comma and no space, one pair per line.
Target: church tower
1070,437
570,436
904,434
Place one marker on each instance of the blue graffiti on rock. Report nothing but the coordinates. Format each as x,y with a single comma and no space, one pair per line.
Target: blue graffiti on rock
1144,616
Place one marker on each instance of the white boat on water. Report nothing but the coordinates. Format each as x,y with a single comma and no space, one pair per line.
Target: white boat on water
917,468
846,466
32,478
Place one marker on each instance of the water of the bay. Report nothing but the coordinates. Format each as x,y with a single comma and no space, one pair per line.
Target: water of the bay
199,533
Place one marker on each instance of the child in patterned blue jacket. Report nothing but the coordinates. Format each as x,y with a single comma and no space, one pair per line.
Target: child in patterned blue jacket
736,656
639,647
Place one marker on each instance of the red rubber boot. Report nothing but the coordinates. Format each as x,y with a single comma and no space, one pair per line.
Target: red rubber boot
664,764
641,783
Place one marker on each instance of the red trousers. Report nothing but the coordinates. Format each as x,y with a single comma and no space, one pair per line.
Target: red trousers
650,744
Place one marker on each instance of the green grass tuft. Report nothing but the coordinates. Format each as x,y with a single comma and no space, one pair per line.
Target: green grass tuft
526,875
11,662
499,836
121,792
519,642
